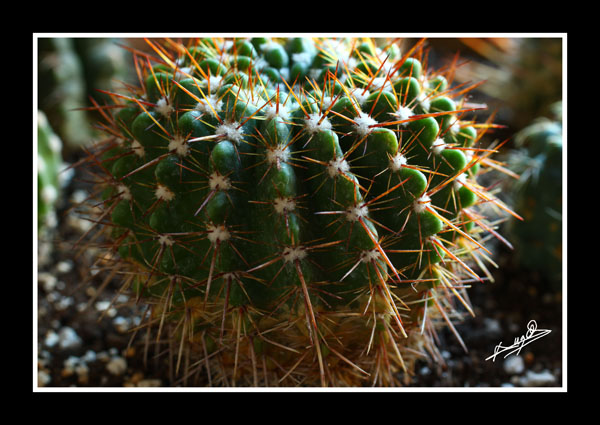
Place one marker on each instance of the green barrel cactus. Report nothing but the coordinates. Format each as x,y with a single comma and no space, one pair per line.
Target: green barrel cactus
298,211
538,196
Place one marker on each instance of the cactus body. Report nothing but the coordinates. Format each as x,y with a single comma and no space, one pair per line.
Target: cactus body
49,164
538,197
69,71
62,90
301,211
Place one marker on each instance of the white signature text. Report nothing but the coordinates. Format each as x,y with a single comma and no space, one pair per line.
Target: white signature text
531,335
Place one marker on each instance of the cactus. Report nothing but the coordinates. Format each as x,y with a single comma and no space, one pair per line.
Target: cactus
69,71
62,90
295,211
104,64
538,196
49,165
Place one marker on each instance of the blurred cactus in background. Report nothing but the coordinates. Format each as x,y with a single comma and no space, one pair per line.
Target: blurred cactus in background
49,165
538,196
61,90
106,65
70,72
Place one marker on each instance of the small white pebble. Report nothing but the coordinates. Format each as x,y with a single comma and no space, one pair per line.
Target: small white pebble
106,306
68,338
44,378
89,356
82,370
121,324
492,326
51,339
52,297
42,362
102,305
64,266
117,365
122,298
70,364
79,196
514,365
533,379
48,281
79,224
49,194
64,303
102,356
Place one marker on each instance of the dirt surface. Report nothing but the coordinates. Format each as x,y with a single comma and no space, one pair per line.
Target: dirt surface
83,339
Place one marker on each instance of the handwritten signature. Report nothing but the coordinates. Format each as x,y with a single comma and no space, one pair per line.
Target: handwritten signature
531,335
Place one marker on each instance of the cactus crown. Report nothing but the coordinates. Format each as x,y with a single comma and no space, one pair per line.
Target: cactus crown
299,211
